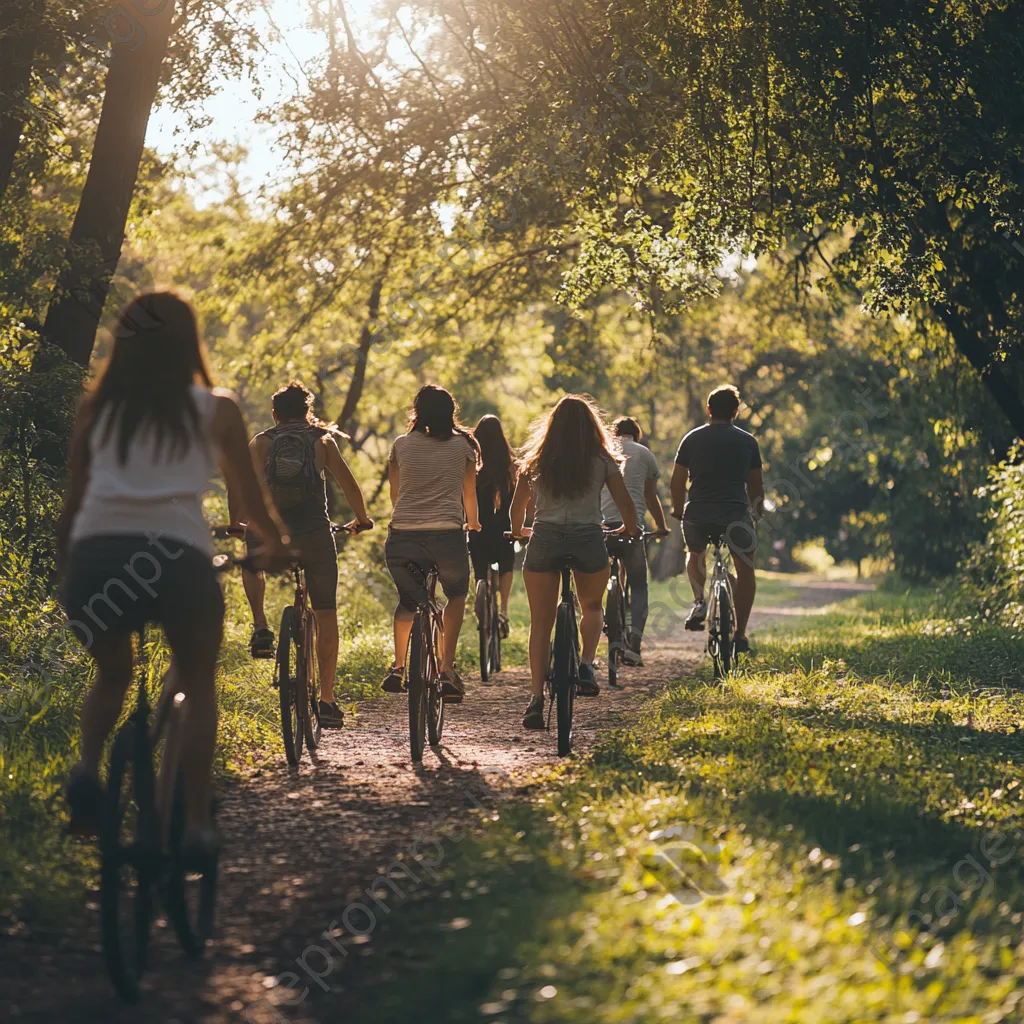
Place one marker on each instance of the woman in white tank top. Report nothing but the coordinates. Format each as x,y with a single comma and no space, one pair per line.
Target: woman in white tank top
133,544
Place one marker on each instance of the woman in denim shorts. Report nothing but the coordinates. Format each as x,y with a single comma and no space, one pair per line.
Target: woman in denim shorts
432,471
570,456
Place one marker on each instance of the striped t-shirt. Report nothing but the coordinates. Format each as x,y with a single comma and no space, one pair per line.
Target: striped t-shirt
430,475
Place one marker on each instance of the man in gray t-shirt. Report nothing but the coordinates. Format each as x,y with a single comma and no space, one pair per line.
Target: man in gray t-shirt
640,472
717,491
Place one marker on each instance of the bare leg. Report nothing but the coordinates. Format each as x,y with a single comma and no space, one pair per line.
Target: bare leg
102,707
327,651
542,593
591,588
195,655
403,627
505,590
255,586
451,618
696,573
744,590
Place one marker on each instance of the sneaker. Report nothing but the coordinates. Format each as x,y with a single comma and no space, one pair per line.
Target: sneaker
503,627
452,687
330,715
698,613
741,645
85,795
586,685
394,681
631,652
534,717
261,643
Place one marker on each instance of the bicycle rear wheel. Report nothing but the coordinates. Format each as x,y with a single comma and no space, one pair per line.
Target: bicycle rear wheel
312,727
565,672
723,639
416,683
191,890
130,852
614,622
291,699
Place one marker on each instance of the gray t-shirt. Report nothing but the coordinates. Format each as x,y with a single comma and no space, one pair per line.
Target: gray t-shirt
719,457
641,466
584,510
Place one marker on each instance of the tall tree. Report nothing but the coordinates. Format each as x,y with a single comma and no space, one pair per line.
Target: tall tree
97,235
21,23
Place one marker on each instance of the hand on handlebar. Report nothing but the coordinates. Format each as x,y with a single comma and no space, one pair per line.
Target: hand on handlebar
662,531
524,534
359,525
473,527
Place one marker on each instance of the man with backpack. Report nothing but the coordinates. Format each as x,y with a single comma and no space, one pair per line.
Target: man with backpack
293,458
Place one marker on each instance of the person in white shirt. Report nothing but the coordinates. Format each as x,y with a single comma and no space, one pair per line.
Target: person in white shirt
640,472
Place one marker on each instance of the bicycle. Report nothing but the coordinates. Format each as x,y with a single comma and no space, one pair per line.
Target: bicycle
423,679
296,672
488,623
721,620
563,673
617,604
141,833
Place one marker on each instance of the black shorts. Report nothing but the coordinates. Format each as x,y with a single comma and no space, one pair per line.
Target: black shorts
117,584
739,531
580,547
410,555
318,558
486,549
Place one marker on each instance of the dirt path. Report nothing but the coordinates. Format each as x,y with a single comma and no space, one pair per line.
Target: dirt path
302,847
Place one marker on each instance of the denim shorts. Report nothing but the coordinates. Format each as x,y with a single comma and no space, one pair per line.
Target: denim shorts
411,554
552,548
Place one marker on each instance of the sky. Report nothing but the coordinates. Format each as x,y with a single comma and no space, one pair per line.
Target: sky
234,108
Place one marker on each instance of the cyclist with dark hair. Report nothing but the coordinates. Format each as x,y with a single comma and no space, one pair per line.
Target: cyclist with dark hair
640,472
133,541
569,457
293,457
717,490
432,471
494,486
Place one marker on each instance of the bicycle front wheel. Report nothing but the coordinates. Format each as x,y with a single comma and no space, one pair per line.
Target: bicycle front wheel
130,852
310,684
416,683
483,625
495,628
614,621
435,702
289,695
723,638
566,668
191,889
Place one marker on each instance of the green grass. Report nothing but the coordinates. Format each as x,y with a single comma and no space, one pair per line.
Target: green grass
832,836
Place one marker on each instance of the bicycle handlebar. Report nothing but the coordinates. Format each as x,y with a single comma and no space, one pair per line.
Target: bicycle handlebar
227,532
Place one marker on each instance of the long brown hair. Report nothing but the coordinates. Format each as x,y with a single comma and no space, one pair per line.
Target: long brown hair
436,413
562,446
156,358
498,470
295,401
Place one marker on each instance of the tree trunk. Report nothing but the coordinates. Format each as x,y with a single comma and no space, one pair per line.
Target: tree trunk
366,336
97,235
971,344
19,34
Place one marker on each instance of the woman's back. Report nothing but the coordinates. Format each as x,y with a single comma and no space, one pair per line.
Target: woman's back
157,489
583,509
431,476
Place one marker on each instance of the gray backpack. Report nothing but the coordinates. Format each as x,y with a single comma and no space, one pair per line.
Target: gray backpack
290,469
